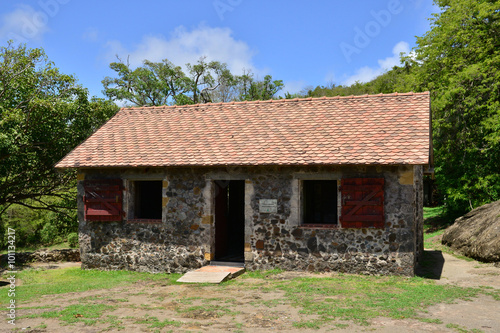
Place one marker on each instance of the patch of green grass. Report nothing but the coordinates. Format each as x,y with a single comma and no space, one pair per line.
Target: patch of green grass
262,274
114,323
446,249
148,306
269,303
361,298
208,310
57,281
462,329
429,243
495,293
156,323
188,300
229,300
433,234
93,298
435,219
212,299
87,313
41,326
307,324
431,320
430,212
129,317
39,307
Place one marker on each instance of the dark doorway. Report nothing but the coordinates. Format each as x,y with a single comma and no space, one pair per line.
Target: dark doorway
229,220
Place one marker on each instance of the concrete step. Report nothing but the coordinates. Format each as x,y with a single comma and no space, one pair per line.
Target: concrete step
212,274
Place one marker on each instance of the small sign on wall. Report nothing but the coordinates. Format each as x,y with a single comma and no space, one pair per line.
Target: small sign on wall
268,205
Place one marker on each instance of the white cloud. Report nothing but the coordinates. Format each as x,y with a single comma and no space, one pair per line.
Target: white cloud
292,87
417,3
330,77
23,24
91,34
185,46
366,73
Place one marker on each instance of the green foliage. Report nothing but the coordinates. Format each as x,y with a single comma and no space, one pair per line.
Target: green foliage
151,84
398,79
73,239
35,227
458,60
48,232
261,90
43,115
161,83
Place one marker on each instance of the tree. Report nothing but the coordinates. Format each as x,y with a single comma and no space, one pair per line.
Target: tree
43,115
206,78
163,83
155,83
252,90
458,60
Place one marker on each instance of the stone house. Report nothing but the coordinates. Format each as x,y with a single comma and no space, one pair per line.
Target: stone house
318,184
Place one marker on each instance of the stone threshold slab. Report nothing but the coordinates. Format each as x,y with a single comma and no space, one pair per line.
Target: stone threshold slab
211,274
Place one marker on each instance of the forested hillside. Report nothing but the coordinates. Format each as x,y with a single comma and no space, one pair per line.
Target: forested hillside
458,61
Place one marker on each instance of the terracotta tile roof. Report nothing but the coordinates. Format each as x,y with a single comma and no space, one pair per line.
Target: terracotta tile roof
368,129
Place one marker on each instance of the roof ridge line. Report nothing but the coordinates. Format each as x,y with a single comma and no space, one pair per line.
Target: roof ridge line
283,100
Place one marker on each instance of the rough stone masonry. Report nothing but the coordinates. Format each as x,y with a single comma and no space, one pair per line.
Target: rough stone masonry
184,238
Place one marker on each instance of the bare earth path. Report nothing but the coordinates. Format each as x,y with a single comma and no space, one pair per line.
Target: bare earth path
141,301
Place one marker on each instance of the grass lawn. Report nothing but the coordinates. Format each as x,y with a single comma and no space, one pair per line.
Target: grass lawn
435,223
313,301
320,300
360,298
38,282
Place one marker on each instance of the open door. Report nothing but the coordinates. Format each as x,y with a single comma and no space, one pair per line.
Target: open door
229,220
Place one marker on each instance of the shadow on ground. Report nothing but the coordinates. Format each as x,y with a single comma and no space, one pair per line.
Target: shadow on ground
431,265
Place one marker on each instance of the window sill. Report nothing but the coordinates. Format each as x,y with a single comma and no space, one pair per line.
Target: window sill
145,221
319,226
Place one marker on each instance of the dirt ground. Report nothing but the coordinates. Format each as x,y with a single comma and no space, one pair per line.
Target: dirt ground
152,299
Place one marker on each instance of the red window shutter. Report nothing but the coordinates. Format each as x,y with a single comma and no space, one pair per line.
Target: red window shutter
103,199
362,203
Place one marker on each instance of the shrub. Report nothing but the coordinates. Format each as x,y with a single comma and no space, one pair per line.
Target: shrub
73,239
48,234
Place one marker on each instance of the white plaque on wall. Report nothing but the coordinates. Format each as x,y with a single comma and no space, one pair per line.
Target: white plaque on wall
268,205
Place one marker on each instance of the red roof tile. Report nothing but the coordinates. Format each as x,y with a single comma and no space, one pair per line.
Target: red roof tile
369,129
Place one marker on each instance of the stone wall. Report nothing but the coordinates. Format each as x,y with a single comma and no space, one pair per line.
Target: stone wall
279,240
44,255
174,244
184,239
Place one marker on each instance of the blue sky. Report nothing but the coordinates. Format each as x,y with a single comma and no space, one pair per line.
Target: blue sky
304,43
